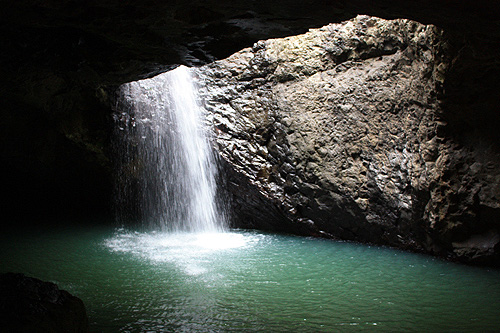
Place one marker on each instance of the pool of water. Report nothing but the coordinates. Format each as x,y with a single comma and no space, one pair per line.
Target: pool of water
251,281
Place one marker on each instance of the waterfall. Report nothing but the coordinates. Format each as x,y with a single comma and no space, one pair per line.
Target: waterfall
166,167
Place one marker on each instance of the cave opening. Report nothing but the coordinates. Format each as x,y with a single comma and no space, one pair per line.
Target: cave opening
381,139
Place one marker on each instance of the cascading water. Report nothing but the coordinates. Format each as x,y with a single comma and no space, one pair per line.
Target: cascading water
167,169
232,281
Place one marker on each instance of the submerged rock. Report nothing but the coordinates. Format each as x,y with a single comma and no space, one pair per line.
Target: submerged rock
31,305
343,132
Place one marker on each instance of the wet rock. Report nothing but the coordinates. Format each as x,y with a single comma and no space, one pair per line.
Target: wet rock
350,118
31,305
479,248
61,59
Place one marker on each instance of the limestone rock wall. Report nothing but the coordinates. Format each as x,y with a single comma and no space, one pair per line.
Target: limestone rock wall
344,132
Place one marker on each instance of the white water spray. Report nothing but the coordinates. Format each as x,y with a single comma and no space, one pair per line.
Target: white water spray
166,158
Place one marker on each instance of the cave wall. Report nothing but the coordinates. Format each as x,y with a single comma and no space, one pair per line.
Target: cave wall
55,161
346,131
61,60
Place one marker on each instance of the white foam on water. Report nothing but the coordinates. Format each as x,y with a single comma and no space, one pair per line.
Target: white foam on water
194,253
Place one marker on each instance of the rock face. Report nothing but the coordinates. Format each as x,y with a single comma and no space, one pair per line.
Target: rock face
344,132
31,305
60,59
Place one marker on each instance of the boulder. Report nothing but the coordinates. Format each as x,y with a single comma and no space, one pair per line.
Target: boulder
31,305
345,131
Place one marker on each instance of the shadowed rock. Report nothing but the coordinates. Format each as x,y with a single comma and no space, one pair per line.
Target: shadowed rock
31,305
61,59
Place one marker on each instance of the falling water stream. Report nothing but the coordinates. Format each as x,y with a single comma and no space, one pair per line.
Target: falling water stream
165,151
183,271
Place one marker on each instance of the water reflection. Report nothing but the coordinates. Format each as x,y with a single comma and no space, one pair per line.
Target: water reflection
247,281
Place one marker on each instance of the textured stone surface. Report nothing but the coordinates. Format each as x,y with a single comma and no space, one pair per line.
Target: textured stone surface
61,59
343,130
31,305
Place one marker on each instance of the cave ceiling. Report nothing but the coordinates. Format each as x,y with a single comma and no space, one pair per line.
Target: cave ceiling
114,41
61,61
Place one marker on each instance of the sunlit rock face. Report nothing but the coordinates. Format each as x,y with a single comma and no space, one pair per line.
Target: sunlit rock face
62,59
344,131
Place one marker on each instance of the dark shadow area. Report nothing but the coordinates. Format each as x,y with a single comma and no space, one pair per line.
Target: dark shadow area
49,176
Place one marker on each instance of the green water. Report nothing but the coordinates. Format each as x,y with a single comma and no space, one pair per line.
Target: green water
249,281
